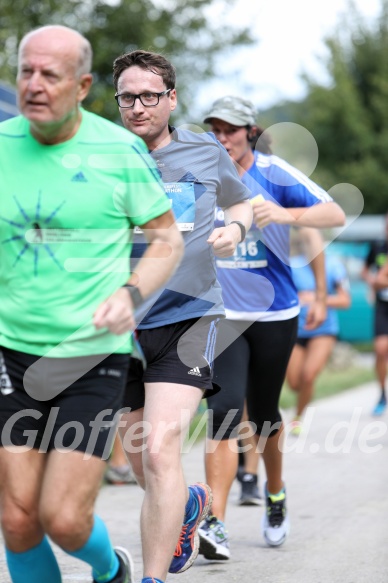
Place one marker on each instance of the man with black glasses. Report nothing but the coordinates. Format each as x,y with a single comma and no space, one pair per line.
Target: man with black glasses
177,330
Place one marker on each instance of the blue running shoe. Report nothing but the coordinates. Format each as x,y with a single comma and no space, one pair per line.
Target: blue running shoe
186,550
380,407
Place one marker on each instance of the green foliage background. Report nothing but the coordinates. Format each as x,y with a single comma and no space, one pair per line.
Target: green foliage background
180,29
348,116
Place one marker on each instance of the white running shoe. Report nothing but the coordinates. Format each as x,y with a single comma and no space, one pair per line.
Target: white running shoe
126,572
213,540
275,524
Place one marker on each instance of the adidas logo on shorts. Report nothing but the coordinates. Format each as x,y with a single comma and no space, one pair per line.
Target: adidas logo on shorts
195,371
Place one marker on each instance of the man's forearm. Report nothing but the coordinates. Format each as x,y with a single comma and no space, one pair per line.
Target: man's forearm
241,212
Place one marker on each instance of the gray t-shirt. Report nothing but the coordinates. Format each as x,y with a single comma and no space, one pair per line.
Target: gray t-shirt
198,175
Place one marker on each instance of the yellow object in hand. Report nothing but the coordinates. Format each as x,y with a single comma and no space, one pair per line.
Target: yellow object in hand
257,199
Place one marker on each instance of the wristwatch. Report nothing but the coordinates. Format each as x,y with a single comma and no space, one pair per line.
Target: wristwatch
136,297
243,229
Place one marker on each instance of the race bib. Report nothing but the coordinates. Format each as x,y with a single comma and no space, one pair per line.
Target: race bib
250,254
182,197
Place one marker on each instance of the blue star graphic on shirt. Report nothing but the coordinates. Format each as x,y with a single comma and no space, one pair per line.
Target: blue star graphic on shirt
36,223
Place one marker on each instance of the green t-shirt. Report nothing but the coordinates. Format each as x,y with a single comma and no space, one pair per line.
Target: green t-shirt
65,217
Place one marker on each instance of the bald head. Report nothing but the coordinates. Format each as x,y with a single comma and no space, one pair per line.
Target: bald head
53,79
72,43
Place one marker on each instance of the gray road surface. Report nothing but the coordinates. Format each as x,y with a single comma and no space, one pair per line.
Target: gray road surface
337,486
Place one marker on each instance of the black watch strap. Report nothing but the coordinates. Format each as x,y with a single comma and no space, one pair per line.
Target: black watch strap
136,297
243,229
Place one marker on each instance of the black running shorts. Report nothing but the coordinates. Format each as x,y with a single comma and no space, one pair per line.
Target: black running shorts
180,353
62,403
381,318
253,367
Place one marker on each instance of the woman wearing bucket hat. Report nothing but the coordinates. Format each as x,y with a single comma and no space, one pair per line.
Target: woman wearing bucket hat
256,338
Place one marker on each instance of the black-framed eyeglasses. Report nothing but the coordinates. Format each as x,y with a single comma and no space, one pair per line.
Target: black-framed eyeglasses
148,99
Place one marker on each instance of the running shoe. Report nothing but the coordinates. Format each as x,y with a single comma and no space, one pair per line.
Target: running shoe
275,524
250,495
296,427
240,473
125,574
213,540
119,475
186,550
380,407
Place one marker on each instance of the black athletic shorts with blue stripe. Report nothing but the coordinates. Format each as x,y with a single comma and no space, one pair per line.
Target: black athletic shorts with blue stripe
180,353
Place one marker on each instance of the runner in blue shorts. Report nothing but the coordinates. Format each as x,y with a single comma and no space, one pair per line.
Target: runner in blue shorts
313,348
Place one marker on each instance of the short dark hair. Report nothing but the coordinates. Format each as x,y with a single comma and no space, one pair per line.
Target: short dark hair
153,62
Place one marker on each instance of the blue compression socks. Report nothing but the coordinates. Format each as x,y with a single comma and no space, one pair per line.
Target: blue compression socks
37,565
98,552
